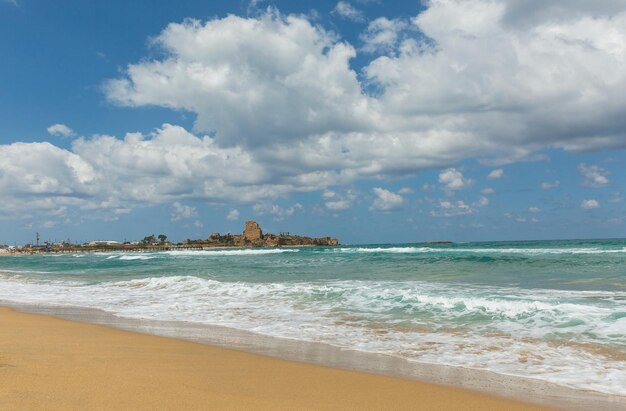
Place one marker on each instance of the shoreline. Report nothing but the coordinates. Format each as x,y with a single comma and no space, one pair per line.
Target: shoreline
89,366
160,249
481,382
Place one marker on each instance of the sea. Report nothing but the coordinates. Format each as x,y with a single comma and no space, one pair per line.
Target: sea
546,310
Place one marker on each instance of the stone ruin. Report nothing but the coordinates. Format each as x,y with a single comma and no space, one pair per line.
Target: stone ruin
253,236
252,232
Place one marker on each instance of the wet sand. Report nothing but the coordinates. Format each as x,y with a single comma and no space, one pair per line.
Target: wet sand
51,363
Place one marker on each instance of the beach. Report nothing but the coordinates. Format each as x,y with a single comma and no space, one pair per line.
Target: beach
518,320
50,363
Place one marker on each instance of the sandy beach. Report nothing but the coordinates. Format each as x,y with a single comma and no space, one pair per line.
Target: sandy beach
50,363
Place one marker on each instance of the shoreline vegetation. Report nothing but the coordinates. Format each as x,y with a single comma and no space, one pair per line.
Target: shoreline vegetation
52,363
251,237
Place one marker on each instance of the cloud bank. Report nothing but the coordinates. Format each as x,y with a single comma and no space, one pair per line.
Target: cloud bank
280,108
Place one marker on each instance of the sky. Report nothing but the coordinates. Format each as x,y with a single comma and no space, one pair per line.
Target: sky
368,120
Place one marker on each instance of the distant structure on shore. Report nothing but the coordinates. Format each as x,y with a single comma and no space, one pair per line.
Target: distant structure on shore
253,236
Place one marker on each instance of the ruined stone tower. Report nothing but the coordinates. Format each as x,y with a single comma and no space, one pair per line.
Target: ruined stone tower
252,231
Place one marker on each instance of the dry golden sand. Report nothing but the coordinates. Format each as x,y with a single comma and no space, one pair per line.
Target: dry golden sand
52,364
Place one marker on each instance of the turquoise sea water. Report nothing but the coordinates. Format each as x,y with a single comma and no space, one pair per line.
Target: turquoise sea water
552,310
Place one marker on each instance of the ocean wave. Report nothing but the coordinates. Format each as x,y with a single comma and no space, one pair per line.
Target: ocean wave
244,251
528,251
472,326
132,257
8,271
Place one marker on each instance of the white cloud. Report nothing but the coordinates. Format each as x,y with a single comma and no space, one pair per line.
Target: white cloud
482,202
488,191
406,190
453,179
516,218
290,114
60,130
495,174
593,176
12,2
349,12
255,80
339,201
534,209
277,212
386,200
233,214
589,204
382,35
452,209
49,224
107,173
617,198
282,88
549,74
181,211
548,185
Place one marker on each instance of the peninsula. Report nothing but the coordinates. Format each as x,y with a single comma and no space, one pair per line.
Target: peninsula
252,236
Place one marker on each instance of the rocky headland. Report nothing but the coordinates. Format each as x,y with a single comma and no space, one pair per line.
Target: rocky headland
253,236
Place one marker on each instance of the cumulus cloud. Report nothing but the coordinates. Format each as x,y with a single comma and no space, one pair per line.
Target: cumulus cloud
277,212
547,185
279,109
549,74
42,178
515,217
593,176
198,224
386,200
253,80
181,211
616,198
488,191
382,35
349,12
452,209
233,214
339,201
534,209
482,202
550,184
589,204
495,174
452,179
283,89
108,173
60,130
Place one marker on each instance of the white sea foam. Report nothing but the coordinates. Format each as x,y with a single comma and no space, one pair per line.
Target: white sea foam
132,256
509,333
220,252
142,256
129,257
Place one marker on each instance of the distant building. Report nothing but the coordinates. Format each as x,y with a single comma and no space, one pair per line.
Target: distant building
108,242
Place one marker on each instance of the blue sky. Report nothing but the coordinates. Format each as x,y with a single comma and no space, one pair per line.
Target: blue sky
372,121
